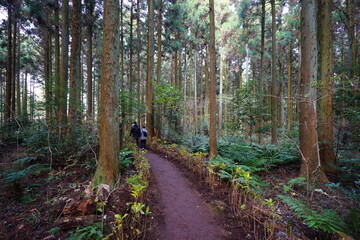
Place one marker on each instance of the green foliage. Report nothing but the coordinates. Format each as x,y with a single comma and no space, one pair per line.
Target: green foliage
92,231
25,160
126,159
299,181
256,156
353,223
328,220
15,176
196,143
247,108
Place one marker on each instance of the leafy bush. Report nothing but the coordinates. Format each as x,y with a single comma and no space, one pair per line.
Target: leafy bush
35,169
88,232
196,143
328,220
126,159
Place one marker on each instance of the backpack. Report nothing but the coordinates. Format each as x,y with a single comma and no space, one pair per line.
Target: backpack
144,132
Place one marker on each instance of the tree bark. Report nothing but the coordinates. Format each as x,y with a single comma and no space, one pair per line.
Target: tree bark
262,66
138,50
74,103
131,53
25,95
13,71
57,58
311,167
212,143
107,170
64,66
150,70
17,69
274,101
89,62
9,68
289,92
350,7
326,122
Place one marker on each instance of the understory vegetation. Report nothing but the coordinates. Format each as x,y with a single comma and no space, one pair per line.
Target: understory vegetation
262,185
48,192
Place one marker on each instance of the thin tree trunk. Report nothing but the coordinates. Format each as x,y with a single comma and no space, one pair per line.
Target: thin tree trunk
131,48
74,103
213,143
64,66
310,162
325,117
274,102
25,95
47,75
122,83
221,93
90,9
150,70
262,66
13,72
57,58
17,69
350,7
289,92
138,50
195,96
159,45
108,169
9,67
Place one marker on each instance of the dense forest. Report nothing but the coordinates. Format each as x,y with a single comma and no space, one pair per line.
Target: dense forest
255,102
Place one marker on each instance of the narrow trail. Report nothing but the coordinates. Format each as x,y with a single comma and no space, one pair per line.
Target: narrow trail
186,215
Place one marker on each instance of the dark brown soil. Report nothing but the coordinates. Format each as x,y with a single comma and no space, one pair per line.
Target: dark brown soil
187,208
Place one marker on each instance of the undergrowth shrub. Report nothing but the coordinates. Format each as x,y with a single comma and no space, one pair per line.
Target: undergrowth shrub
327,220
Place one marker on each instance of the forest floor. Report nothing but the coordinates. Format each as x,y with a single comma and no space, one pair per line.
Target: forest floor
52,204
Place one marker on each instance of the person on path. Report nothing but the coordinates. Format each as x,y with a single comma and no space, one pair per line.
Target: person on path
135,133
143,137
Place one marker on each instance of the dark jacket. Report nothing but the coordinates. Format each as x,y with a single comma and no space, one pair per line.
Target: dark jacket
135,131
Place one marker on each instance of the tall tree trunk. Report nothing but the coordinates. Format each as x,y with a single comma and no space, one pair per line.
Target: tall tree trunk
262,66
326,122
221,93
64,66
74,103
13,72
150,70
310,162
48,78
25,94
108,168
138,50
289,92
57,58
350,7
9,68
195,95
131,48
212,143
17,69
122,83
274,101
90,9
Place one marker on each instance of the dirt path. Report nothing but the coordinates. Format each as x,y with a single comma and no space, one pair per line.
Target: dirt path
186,215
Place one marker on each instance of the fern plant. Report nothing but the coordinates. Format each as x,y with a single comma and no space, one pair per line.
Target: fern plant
328,220
15,176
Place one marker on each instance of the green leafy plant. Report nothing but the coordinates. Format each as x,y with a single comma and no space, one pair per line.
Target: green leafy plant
92,231
328,220
35,169
299,181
